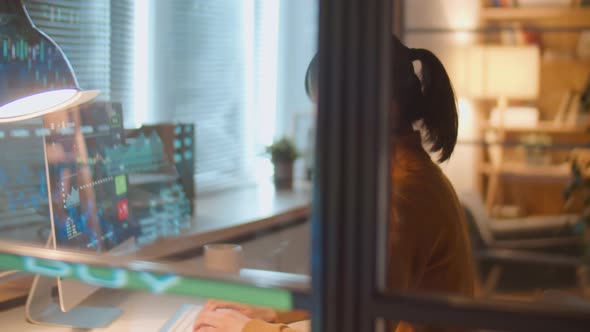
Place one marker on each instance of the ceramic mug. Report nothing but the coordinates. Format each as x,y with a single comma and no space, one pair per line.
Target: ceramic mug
223,257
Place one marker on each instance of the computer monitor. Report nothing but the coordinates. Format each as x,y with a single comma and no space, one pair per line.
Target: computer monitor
87,179
88,205
159,164
23,191
161,182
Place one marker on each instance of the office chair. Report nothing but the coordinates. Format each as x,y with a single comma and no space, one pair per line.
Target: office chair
538,232
518,261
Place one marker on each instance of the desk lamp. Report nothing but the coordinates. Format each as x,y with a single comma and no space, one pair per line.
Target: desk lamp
36,78
503,73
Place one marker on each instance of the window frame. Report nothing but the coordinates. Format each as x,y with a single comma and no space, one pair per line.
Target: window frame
352,141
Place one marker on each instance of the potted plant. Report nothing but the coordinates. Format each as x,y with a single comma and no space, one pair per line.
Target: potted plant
283,154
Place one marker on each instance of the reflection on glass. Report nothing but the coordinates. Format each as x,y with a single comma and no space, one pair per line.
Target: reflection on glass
23,198
189,174
88,179
428,243
382,325
511,167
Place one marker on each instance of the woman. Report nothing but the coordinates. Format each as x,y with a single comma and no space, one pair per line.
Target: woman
428,244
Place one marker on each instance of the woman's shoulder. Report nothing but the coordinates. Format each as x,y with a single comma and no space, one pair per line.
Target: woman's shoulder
419,178
424,193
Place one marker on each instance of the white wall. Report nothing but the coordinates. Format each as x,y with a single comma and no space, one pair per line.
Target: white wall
439,25
298,41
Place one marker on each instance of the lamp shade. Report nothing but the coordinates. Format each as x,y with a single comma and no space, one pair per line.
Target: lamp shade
35,76
503,72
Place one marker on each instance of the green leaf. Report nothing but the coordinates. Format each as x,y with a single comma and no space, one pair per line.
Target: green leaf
283,150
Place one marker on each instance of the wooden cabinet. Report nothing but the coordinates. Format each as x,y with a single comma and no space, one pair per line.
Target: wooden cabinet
507,174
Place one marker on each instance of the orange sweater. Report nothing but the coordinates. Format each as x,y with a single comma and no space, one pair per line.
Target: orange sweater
428,243
257,325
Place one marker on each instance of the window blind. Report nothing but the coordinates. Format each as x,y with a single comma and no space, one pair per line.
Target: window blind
214,80
215,70
121,56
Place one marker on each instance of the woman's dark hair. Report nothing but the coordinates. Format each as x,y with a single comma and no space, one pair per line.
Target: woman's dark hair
431,101
311,78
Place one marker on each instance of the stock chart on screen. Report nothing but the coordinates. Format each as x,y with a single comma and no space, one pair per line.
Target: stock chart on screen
87,179
106,184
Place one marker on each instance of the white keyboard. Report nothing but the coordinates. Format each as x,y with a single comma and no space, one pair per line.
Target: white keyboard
183,320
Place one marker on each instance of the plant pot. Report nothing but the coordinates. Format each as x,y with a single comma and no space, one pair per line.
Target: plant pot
283,174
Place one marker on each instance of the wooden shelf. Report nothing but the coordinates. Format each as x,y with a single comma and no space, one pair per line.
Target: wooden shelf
558,30
556,172
542,127
567,16
565,61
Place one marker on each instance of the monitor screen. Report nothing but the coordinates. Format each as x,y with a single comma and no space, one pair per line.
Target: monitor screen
87,178
23,194
161,179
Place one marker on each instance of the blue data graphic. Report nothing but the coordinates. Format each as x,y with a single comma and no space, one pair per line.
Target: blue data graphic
95,205
23,188
27,57
142,155
168,214
90,201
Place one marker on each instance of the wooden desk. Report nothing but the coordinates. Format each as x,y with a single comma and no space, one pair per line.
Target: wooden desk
142,312
219,217
234,213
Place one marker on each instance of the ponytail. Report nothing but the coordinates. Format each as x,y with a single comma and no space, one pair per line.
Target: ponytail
439,109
